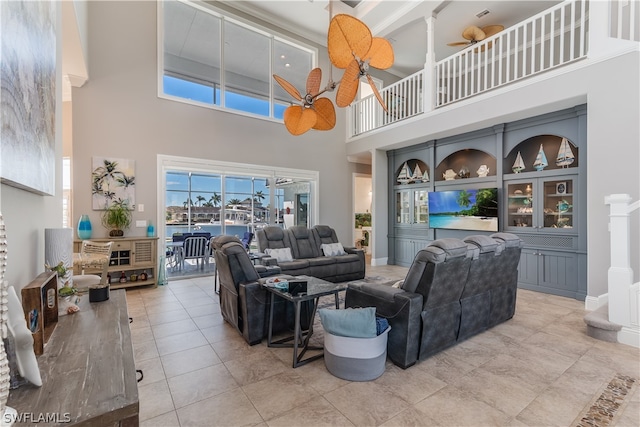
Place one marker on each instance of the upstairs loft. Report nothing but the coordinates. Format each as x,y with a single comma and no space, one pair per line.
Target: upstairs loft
573,32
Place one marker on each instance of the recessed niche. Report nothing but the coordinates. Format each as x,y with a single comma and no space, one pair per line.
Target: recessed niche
468,163
557,154
412,171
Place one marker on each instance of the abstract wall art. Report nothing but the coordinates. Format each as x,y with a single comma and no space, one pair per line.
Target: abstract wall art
28,98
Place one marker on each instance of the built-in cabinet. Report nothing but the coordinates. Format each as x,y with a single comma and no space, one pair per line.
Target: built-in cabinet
133,261
541,204
537,165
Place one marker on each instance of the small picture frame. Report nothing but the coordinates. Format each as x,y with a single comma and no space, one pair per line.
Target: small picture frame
561,188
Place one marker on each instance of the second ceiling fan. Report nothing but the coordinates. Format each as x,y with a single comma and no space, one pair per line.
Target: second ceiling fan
473,34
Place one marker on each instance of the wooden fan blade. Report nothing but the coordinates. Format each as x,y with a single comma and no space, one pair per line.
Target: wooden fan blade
473,33
347,36
291,90
298,119
376,93
313,81
381,54
326,114
458,44
490,30
348,85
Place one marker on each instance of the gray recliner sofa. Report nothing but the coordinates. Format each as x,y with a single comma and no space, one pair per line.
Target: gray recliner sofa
308,256
453,290
244,302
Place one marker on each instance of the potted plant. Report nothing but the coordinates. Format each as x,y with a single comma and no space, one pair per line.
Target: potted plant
116,218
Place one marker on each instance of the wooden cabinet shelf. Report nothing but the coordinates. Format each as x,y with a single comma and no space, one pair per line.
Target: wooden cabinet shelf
131,255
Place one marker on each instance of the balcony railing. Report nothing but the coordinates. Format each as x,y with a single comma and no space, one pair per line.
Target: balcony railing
551,39
545,41
403,100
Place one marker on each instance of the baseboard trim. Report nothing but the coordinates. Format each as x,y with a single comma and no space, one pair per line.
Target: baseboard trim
594,303
379,261
629,336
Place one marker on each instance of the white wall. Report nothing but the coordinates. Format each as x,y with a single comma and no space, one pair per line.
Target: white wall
117,114
362,194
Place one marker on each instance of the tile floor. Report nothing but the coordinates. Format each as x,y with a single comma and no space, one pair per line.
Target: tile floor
538,369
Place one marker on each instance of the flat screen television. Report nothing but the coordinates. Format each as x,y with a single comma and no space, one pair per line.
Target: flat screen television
464,209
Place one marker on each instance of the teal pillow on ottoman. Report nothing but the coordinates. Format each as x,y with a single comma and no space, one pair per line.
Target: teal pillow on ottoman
350,322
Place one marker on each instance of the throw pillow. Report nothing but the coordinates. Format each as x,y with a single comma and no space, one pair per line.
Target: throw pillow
281,254
350,322
332,249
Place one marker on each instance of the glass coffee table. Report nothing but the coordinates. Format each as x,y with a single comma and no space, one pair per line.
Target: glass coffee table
315,288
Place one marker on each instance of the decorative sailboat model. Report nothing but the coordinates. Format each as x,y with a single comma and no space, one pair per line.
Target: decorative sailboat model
419,176
565,155
518,165
541,160
405,175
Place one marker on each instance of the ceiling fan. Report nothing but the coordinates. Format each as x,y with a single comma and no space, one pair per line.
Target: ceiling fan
352,47
314,113
473,34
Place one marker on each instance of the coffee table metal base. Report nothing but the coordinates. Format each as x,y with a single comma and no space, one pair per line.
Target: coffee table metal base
299,341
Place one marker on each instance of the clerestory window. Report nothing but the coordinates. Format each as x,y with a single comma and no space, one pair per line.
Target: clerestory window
211,59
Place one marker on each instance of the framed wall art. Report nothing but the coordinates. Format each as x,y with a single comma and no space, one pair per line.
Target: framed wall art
113,181
28,102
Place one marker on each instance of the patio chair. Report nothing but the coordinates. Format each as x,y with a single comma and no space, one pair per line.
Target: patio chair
196,247
247,239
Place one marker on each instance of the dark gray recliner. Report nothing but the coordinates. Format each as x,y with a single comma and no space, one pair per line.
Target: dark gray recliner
308,257
348,267
273,237
505,285
454,289
425,314
244,303
475,301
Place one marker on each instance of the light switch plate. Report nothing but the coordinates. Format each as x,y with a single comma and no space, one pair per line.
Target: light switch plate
140,207
141,223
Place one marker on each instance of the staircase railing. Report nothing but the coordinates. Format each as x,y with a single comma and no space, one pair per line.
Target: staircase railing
623,294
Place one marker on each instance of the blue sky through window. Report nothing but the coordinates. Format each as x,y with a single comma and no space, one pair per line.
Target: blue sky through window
198,92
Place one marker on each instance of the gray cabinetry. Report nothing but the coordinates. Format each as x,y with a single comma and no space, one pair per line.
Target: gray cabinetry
549,271
406,248
539,167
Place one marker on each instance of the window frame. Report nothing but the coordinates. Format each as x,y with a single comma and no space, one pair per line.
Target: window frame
168,163
224,15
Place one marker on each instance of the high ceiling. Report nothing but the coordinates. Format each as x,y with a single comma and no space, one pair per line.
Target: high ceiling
402,22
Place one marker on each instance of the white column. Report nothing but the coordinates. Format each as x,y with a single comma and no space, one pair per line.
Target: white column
430,86
620,275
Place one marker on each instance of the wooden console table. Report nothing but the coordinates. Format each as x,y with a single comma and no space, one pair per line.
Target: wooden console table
88,371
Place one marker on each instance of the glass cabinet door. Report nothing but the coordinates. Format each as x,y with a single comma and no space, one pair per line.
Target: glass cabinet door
420,207
520,204
403,211
558,203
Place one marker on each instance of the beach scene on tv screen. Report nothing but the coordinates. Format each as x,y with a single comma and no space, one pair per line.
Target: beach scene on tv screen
464,209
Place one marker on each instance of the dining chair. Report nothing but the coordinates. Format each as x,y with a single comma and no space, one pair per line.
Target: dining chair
196,247
94,255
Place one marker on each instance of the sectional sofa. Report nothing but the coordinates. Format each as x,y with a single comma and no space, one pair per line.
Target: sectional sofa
312,251
453,290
